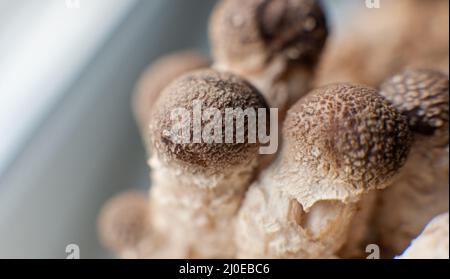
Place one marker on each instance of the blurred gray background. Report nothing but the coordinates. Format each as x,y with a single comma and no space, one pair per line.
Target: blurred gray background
83,146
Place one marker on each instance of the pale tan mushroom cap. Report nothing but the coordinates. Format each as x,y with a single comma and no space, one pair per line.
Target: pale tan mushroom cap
349,133
158,76
421,95
250,33
215,90
123,221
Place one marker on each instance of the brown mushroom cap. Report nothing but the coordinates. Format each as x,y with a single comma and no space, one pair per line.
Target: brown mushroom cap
254,31
421,95
348,132
123,221
158,76
214,90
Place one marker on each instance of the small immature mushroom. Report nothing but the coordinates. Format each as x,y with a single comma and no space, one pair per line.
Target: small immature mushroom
198,186
275,44
432,243
421,190
157,77
340,142
123,222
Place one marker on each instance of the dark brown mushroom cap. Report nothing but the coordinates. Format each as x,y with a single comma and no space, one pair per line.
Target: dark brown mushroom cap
348,132
158,76
241,31
421,95
214,90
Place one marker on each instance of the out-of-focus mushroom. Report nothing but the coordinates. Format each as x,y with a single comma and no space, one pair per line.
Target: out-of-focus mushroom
432,243
377,43
340,142
421,190
275,44
123,222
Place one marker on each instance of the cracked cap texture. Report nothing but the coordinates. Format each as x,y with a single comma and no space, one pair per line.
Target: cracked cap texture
214,90
422,96
348,132
254,31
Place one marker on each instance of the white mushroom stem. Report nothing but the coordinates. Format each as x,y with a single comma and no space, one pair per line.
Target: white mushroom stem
193,211
340,142
198,187
432,243
285,215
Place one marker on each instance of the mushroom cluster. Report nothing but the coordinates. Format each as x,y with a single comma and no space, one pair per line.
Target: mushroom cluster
363,141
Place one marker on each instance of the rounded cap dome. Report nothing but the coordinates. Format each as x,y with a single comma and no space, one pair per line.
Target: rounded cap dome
422,96
348,132
213,89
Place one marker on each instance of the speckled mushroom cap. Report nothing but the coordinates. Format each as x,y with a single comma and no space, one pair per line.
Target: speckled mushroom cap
214,90
421,95
158,76
250,33
348,133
